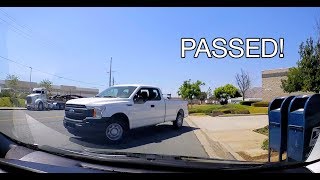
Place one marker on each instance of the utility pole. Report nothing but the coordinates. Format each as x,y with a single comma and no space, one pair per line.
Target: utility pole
110,72
30,79
112,81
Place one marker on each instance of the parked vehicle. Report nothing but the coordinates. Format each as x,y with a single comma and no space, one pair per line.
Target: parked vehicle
38,100
118,109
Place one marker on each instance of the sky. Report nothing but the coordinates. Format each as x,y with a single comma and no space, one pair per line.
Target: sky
144,43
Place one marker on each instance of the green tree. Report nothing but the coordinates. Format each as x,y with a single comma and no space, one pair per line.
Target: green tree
226,91
306,76
202,96
46,83
12,81
190,90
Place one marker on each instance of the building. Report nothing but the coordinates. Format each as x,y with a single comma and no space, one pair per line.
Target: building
271,84
24,86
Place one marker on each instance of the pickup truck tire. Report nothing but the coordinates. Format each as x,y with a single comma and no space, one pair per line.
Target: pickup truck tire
179,120
116,130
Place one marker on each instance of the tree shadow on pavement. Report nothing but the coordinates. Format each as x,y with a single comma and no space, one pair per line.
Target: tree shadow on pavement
135,137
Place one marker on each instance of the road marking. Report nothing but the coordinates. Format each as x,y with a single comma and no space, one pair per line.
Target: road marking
50,117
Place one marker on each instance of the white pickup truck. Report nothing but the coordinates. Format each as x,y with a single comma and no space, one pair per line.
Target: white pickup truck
116,110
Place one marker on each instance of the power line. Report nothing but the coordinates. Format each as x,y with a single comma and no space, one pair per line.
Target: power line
14,20
28,34
61,77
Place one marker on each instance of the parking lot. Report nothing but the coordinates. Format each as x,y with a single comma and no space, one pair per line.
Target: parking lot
46,128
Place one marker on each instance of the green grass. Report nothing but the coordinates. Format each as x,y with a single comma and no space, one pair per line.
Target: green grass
264,130
227,109
265,144
198,114
258,110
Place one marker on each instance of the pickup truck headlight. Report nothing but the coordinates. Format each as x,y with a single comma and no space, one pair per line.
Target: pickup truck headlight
97,112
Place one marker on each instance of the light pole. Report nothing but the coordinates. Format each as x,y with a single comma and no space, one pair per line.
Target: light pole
30,79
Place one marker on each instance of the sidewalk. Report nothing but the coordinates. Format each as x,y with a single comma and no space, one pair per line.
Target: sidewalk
235,134
12,108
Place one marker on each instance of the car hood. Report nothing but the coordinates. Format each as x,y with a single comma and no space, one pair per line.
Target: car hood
96,101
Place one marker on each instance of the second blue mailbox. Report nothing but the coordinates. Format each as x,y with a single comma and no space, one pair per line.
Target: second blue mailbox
303,118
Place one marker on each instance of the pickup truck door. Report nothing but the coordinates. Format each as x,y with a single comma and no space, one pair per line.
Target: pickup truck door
151,111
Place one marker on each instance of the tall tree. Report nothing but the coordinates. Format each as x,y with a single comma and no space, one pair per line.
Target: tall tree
12,81
190,90
306,76
243,82
46,83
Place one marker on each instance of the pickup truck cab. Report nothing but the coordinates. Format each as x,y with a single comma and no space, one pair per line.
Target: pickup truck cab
120,108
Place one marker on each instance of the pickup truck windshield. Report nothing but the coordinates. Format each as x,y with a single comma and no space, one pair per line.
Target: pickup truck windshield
117,92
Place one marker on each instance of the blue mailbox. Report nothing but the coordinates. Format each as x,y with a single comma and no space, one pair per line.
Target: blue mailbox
303,119
278,123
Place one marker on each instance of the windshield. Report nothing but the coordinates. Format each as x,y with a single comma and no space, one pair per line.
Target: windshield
236,84
117,92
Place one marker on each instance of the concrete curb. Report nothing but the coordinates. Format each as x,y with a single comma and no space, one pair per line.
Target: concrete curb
203,137
12,108
232,115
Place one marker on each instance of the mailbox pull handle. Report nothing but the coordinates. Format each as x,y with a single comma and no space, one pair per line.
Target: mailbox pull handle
274,124
299,128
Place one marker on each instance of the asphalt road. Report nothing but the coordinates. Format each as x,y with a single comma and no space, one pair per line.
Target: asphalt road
46,128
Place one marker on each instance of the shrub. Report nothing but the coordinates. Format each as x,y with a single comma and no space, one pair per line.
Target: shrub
22,102
240,111
227,111
247,103
5,102
260,104
216,113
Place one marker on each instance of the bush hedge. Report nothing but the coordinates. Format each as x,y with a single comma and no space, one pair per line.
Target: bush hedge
248,103
260,104
5,102
11,102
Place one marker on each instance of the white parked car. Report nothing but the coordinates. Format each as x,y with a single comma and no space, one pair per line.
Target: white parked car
116,110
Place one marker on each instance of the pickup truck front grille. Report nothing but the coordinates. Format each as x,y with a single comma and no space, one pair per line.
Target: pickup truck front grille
75,106
77,112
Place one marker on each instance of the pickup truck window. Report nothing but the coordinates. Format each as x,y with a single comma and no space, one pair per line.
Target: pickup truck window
154,95
147,94
117,92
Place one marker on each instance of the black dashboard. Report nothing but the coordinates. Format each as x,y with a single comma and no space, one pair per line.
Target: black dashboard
15,157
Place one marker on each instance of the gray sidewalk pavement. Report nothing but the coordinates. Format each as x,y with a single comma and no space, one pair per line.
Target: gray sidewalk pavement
235,134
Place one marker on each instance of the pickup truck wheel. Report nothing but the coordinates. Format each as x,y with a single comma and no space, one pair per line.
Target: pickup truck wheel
115,131
178,122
